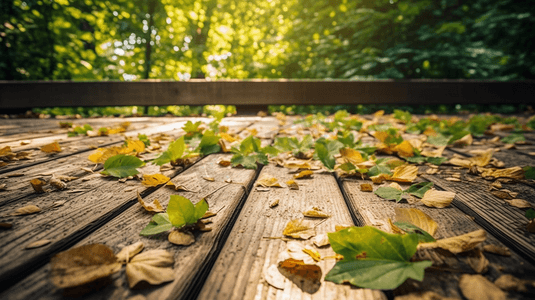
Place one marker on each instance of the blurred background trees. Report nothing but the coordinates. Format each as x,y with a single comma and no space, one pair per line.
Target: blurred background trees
216,39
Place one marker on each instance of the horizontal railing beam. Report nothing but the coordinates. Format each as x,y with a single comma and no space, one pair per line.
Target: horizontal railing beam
32,94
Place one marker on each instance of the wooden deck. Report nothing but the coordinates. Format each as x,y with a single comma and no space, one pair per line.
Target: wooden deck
231,260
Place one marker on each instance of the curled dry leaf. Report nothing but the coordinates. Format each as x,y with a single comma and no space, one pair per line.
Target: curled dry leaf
495,249
58,184
508,282
37,185
38,244
458,244
155,206
292,185
379,178
51,148
466,140
321,240
477,287
181,238
453,179
154,267
274,203
306,276
154,179
315,212
177,187
299,229
267,180
396,186
81,265
417,218
304,174
299,251
26,210
439,199
224,163
514,173
520,203
405,173
366,187
129,251
478,262
274,277
297,164
208,178
208,214
431,171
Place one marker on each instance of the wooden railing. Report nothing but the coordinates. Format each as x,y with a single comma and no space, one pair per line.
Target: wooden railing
259,93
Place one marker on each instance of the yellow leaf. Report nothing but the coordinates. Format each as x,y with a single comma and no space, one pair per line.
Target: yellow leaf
460,243
154,267
181,238
267,181
37,185
315,255
299,229
307,277
155,206
508,282
82,265
439,199
304,174
514,172
404,149
520,203
292,185
51,148
274,203
102,154
366,187
433,153
129,251
5,151
26,210
227,137
477,287
380,135
379,178
133,147
464,141
417,218
405,173
395,229
297,164
483,159
321,240
154,179
477,261
315,212
351,155
396,186
224,163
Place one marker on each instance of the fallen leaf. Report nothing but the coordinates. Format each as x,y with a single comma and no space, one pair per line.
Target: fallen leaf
3,187
378,179
477,287
460,243
306,276
37,185
273,277
466,140
453,179
366,187
51,148
417,218
129,251
321,240
351,156
428,295
503,251
38,244
81,265
5,225
304,174
292,185
439,199
315,212
339,227
208,178
299,229
224,163
508,282
177,187
404,149
133,147
26,210
478,262
58,184
25,142
102,154
154,267
274,203
520,203
297,164
267,180
181,238
154,179
514,173
405,173
396,186
5,151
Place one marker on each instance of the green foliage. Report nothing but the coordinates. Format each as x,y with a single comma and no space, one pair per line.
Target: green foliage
529,172
175,151
298,148
513,138
122,166
419,189
209,143
530,214
375,259
423,236
439,140
326,150
379,169
144,139
249,154
180,212
390,193
80,130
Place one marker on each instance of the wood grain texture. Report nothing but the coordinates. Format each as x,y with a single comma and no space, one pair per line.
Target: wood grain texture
238,271
28,94
374,211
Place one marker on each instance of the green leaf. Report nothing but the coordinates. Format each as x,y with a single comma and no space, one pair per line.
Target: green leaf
419,189
122,166
439,140
404,116
530,214
389,193
175,151
423,236
144,139
529,172
324,156
182,212
200,208
416,159
378,169
513,138
375,259
159,223
209,143
191,127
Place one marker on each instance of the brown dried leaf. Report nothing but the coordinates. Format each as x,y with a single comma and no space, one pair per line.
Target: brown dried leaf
51,148
478,262
26,210
466,140
154,179
306,277
208,178
508,282
460,243
366,187
155,206
274,203
315,212
297,164
439,199
299,229
37,185
292,185
379,178
495,249
38,244
58,184
82,265
181,238
129,251
514,172
520,203
477,287
154,267
417,218
224,163
177,187
267,180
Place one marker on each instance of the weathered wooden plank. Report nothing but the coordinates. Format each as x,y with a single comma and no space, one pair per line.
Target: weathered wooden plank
374,211
238,271
28,94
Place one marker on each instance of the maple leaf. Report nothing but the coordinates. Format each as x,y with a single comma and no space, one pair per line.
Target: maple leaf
122,166
375,259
